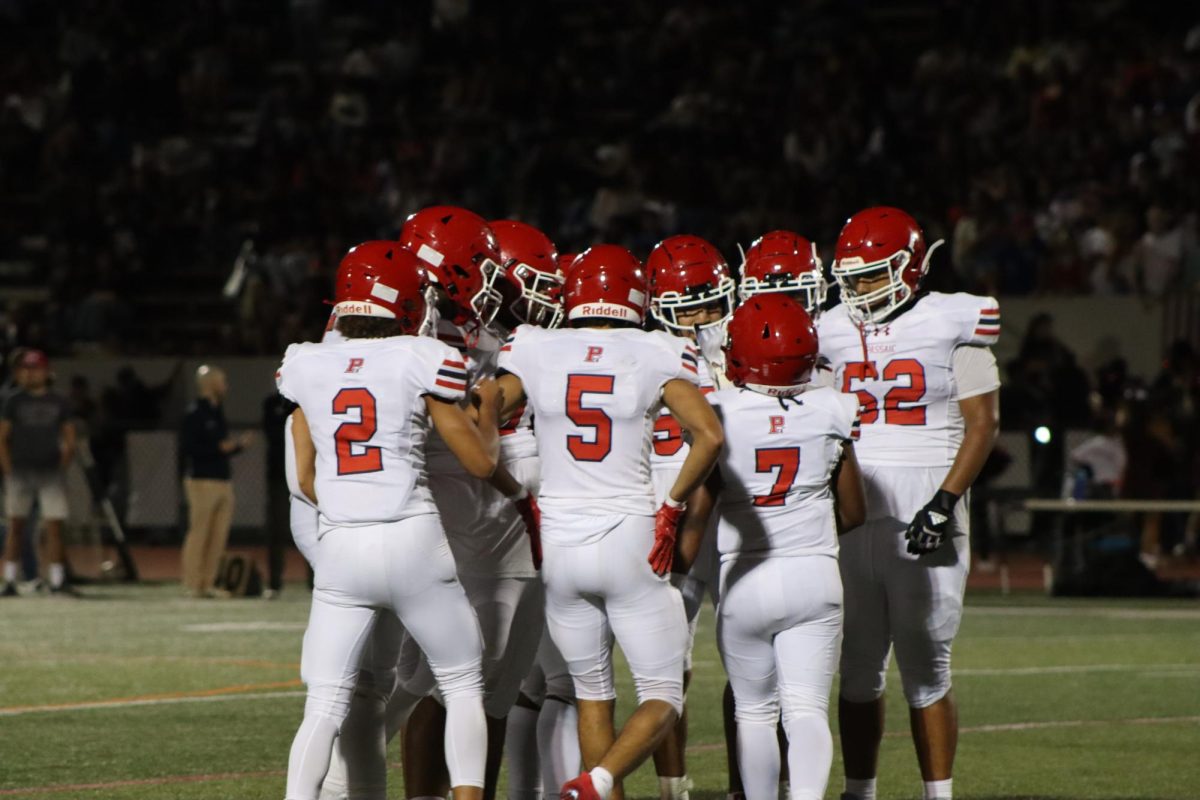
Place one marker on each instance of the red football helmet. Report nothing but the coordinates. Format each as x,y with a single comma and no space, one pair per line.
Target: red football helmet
605,282
565,260
687,273
783,261
771,345
530,263
880,241
459,251
381,279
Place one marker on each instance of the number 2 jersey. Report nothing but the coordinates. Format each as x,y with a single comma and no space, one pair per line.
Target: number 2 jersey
595,394
904,374
775,498
364,403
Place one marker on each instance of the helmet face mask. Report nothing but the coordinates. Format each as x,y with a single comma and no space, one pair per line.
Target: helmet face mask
784,262
531,278
541,295
691,286
874,304
669,307
880,242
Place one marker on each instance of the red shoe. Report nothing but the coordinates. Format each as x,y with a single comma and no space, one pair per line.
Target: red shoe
580,788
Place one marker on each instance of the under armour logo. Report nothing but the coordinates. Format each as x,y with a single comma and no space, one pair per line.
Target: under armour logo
593,354
355,365
881,330
776,424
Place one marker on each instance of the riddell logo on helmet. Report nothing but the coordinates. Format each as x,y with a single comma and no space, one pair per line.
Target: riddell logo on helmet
603,310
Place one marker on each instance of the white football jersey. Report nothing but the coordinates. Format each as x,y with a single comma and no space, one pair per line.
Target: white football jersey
776,499
902,372
595,394
670,448
364,402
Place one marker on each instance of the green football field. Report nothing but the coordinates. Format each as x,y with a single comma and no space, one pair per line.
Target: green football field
134,692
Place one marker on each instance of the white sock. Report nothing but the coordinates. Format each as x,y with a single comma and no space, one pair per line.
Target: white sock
673,788
758,757
939,790
521,750
863,789
309,758
57,575
466,739
558,742
10,572
602,779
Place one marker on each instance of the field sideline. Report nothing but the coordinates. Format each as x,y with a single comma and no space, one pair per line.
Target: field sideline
135,692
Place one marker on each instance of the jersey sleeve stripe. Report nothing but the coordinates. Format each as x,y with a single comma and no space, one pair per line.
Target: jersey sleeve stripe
690,355
453,374
454,364
691,368
993,330
506,348
446,384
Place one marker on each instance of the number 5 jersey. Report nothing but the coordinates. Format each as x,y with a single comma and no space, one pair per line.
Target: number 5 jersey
595,395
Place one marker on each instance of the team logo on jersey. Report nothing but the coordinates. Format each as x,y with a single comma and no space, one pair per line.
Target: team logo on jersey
776,424
355,365
593,354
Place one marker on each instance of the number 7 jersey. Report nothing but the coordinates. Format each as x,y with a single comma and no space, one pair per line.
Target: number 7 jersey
364,403
595,395
903,373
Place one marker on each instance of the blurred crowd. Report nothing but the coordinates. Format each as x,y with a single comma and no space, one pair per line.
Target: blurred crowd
144,146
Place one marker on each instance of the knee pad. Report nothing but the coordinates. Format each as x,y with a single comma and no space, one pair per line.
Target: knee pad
329,700
594,684
668,690
928,680
760,712
862,682
464,680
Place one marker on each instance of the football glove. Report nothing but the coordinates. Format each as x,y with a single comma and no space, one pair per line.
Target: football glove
666,526
532,515
928,529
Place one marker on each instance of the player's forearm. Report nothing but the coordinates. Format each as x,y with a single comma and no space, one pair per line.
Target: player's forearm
503,481
488,422
691,532
849,493
982,424
706,446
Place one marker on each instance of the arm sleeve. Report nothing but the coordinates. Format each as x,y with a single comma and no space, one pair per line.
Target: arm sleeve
512,354
975,371
444,372
681,360
983,323
285,379
849,420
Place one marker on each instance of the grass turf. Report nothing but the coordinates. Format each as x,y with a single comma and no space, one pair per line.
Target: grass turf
135,692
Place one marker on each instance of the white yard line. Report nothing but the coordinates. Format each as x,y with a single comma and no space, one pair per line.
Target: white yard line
1105,612
158,701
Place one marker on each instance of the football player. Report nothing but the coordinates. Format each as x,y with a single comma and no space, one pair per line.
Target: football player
788,484
691,296
484,294
594,388
365,406
783,261
926,380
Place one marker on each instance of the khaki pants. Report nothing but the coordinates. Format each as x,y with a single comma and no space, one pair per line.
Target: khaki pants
210,513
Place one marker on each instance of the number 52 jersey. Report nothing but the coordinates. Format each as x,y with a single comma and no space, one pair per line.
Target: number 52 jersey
904,374
595,395
365,406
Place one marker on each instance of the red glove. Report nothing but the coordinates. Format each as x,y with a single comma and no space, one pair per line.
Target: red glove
666,525
528,508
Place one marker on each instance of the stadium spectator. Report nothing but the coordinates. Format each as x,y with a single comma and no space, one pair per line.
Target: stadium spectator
37,444
207,446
